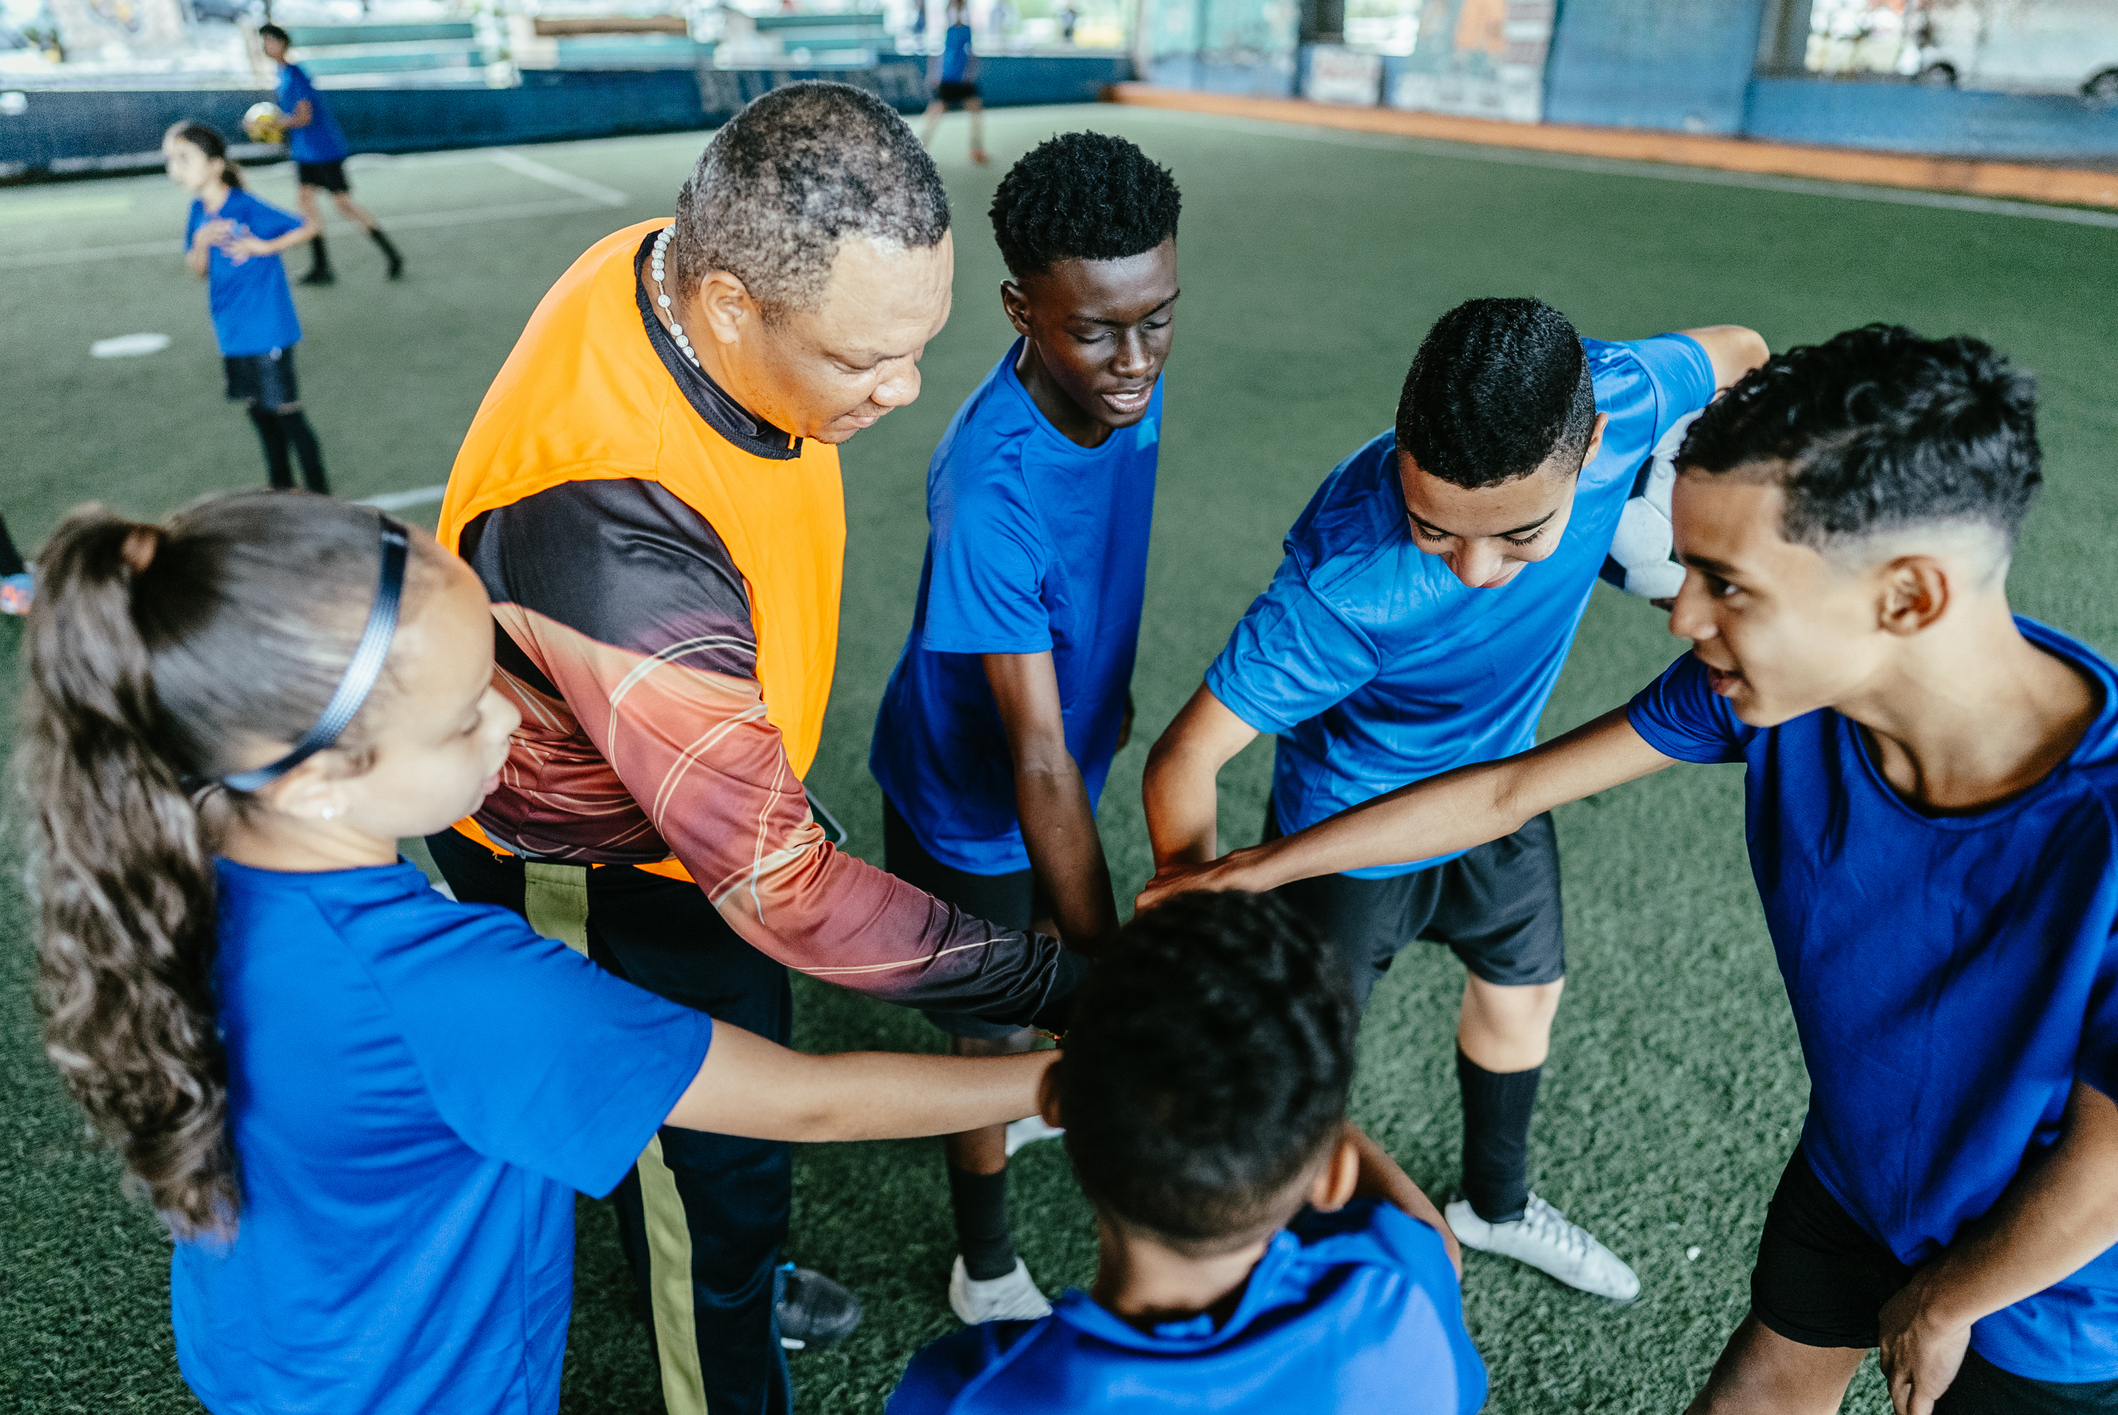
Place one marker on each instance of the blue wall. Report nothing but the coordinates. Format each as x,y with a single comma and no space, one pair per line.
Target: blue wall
1900,117
78,129
1680,64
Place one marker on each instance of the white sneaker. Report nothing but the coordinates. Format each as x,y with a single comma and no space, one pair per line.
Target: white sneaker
1545,1240
1029,1132
1012,1298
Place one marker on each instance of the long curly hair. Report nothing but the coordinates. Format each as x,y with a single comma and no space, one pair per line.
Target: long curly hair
161,658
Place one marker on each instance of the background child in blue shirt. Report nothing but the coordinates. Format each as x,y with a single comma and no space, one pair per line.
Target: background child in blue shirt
232,241
998,726
319,151
1419,621
1932,814
1260,1256
363,1107
953,77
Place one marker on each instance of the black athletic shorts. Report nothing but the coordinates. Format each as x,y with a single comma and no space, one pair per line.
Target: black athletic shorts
954,93
1821,1280
1011,901
331,176
264,379
1496,908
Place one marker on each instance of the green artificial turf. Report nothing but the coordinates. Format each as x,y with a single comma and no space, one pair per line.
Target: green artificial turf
1312,264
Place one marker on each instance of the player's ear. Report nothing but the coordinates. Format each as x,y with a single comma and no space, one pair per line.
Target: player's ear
1048,1098
1914,592
1335,1182
1595,438
726,304
1016,304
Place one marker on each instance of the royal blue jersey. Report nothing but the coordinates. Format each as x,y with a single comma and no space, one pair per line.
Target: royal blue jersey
252,308
1352,1313
1036,544
318,140
958,64
1378,667
416,1088
1951,976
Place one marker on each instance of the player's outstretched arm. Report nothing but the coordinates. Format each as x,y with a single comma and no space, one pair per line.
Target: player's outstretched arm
1450,812
1180,787
754,1088
1382,1178
2060,1212
1058,826
1732,349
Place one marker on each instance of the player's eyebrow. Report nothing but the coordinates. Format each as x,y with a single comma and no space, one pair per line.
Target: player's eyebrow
1128,323
1706,563
1522,530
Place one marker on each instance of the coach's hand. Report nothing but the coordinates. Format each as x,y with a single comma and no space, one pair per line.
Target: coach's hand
1921,1351
1174,879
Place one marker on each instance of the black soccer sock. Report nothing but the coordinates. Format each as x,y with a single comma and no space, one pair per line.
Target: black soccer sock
1496,1137
312,457
389,251
10,558
273,434
981,1205
319,258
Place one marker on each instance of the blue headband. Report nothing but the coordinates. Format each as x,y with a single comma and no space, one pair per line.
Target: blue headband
361,672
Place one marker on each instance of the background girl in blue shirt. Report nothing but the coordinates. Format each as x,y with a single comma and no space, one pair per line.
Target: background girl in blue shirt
362,1107
232,241
953,73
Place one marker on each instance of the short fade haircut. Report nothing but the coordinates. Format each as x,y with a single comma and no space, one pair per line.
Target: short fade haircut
1207,1070
1498,389
788,179
1082,196
1879,430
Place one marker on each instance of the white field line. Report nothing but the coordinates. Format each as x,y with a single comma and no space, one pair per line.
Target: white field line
402,500
1666,172
591,196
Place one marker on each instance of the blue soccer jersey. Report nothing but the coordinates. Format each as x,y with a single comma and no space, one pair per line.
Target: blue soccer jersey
416,1088
318,140
1377,667
1950,976
248,297
1352,1313
1036,544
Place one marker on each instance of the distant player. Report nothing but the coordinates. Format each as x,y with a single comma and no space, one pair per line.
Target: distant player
999,723
18,583
1932,814
1260,1256
319,151
953,74
232,241
1419,622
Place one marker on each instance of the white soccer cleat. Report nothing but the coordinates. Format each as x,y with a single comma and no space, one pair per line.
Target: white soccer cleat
1010,1298
1029,1132
1547,1241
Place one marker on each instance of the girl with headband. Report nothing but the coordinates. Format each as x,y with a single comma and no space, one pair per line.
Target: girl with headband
361,1107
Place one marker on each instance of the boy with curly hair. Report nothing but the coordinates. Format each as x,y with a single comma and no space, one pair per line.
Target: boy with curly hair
1254,1245
1000,720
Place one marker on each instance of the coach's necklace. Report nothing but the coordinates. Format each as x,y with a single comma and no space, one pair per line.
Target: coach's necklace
656,258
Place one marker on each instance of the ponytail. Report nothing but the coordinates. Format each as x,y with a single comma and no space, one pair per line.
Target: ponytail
158,659
207,139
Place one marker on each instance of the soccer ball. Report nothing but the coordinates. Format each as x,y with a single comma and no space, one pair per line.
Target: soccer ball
262,122
1643,554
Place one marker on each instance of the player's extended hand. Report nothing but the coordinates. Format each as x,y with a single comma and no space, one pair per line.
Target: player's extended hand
213,233
1174,879
241,248
1921,1354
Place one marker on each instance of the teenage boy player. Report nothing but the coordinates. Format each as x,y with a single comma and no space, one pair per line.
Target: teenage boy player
1260,1256
319,152
1931,791
1419,621
999,723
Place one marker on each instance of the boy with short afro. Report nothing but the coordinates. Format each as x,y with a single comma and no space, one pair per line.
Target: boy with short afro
999,723
1259,1254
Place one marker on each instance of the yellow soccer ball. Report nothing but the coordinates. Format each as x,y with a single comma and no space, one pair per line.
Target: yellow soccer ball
262,123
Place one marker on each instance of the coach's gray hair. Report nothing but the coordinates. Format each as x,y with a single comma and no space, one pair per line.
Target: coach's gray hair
789,178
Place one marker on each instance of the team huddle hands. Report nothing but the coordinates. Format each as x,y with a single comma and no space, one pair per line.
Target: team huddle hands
361,1101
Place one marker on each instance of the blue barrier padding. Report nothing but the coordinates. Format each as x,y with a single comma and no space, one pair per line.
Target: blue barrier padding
1944,122
1021,80
1680,64
1272,77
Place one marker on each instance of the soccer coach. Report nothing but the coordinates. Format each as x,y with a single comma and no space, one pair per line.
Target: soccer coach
650,492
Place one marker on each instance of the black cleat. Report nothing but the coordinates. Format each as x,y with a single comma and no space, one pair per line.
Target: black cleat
812,1309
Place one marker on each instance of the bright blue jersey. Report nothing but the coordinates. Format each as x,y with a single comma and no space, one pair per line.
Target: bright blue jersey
252,308
1037,544
958,65
1951,976
1355,1312
318,140
416,1088
1378,667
